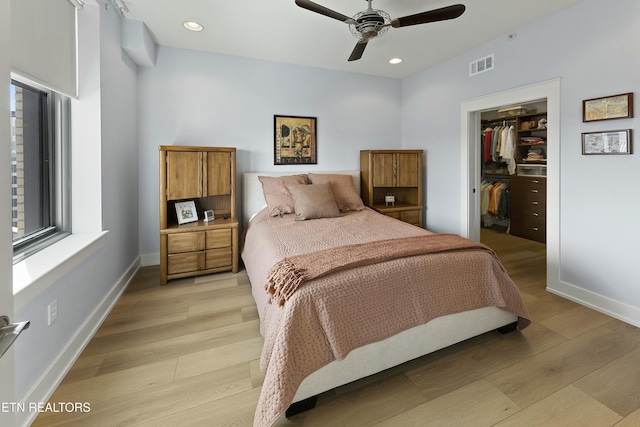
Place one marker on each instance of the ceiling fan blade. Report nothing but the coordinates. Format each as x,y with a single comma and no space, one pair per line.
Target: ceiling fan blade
314,7
358,50
442,14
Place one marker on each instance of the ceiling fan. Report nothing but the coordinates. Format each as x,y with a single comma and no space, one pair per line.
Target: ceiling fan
372,23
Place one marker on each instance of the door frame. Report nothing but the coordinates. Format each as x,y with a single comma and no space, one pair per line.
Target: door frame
7,362
470,143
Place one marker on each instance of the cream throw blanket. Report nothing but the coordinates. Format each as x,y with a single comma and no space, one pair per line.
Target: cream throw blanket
286,276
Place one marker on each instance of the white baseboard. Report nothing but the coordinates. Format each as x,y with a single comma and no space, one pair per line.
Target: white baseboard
44,387
601,303
150,259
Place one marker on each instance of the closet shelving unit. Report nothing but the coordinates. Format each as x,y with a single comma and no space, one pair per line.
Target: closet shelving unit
529,126
528,207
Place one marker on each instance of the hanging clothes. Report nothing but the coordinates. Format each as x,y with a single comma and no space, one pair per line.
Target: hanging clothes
494,202
495,136
486,148
508,151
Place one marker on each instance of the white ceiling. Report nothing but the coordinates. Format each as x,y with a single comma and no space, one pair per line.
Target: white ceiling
278,30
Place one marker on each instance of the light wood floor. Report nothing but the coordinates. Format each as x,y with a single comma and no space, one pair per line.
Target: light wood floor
186,354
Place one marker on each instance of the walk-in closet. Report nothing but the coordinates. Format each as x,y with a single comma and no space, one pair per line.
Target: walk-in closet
514,170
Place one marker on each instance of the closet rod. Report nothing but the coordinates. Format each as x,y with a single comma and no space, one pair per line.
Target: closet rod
510,121
496,177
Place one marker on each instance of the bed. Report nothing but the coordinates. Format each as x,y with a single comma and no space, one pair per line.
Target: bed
397,308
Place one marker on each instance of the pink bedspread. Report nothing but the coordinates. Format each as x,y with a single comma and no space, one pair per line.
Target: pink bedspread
329,316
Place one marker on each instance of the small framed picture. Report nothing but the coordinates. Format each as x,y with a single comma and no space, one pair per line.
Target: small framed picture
609,142
209,216
608,107
186,212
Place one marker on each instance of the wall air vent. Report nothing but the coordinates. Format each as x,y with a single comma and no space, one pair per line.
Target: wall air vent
481,65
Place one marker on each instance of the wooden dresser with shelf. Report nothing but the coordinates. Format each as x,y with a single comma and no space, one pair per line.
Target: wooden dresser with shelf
528,201
206,175
394,172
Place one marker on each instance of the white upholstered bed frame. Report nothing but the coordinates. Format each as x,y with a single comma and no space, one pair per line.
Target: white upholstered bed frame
408,345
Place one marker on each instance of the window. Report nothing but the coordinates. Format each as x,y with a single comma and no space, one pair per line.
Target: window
39,167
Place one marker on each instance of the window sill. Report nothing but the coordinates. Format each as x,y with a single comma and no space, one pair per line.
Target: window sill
36,273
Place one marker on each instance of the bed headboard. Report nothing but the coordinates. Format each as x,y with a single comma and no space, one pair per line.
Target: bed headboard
253,198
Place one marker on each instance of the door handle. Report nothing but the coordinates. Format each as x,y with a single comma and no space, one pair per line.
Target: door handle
9,332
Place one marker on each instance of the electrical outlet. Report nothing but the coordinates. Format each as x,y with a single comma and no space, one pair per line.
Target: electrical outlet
52,311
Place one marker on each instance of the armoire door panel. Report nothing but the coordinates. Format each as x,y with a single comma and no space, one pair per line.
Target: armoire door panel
184,175
218,174
408,169
383,170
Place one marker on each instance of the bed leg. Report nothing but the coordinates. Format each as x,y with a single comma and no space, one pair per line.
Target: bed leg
506,329
301,406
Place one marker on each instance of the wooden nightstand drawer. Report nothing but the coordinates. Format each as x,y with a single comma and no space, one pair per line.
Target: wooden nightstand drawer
185,242
216,258
185,262
218,238
412,217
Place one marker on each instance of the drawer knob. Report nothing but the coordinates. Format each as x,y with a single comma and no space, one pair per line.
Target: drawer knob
536,229
534,191
535,181
534,213
534,203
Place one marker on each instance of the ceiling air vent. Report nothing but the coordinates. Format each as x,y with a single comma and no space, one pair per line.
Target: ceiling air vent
481,65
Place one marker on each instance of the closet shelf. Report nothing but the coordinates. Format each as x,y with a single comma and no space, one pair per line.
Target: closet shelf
532,130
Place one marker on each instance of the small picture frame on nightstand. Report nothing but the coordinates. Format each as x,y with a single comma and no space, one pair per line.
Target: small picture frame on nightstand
186,212
209,216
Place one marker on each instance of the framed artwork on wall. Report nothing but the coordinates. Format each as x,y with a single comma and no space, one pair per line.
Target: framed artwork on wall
608,107
608,142
294,140
186,212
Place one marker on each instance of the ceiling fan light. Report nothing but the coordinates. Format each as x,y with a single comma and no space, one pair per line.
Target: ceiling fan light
395,60
192,25
370,23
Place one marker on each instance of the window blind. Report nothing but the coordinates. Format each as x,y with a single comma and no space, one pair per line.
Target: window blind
43,43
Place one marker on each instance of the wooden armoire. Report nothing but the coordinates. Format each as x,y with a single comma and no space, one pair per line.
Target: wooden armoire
205,176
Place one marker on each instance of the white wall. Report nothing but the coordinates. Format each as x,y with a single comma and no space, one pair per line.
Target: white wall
84,294
593,48
195,98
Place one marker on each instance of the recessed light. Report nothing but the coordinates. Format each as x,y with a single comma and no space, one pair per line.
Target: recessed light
193,26
395,60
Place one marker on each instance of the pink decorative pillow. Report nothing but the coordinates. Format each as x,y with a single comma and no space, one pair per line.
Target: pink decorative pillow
343,189
313,201
276,194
